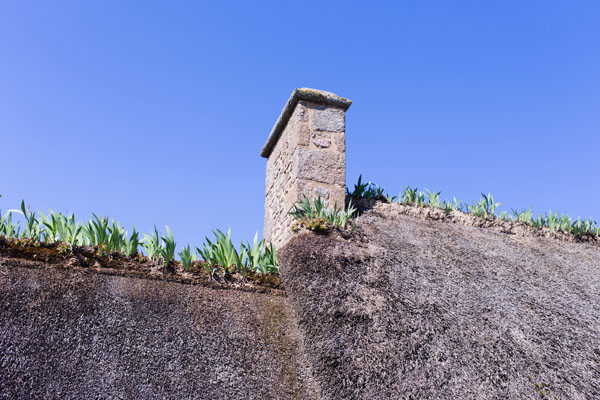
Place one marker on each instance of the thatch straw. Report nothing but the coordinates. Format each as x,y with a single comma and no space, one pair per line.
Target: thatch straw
410,308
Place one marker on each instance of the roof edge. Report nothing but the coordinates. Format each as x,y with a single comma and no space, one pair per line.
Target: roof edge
306,94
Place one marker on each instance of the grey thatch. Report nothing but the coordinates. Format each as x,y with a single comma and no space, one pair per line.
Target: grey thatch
410,308
67,333
407,307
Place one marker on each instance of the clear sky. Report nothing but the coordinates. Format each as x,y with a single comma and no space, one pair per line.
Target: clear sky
155,112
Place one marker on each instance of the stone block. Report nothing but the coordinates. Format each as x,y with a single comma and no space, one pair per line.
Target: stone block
300,135
320,166
339,139
338,197
305,189
322,192
322,142
329,119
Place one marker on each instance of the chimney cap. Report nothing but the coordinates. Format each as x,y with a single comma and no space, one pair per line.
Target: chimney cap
306,94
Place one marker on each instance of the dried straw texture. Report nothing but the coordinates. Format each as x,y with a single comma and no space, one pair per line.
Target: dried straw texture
71,334
410,308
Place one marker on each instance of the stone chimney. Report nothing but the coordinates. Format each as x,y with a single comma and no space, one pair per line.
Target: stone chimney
306,156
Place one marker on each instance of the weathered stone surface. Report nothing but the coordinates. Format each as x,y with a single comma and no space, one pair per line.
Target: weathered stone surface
300,135
338,197
320,165
268,228
305,188
302,96
328,119
322,142
322,192
339,139
295,169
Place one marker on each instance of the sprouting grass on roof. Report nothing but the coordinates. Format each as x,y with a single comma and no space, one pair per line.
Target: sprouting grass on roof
108,237
315,215
485,207
221,253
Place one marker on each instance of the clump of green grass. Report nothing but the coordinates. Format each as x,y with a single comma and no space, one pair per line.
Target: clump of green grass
108,236
315,215
485,207
412,196
221,252
167,249
365,190
261,257
433,199
152,244
187,257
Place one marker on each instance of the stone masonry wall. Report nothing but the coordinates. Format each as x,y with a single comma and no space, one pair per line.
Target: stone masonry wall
308,160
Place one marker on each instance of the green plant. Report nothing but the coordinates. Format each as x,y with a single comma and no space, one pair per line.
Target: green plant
552,221
340,218
224,250
487,205
374,192
116,237
152,245
186,257
254,252
433,199
32,225
99,230
525,216
268,260
112,237
580,227
359,188
209,260
51,226
241,260
458,205
167,250
564,223
412,196
131,245
367,190
64,228
447,206
221,252
476,209
8,228
538,222
73,233
316,216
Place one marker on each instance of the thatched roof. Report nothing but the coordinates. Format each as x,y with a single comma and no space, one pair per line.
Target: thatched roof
413,308
73,333
413,305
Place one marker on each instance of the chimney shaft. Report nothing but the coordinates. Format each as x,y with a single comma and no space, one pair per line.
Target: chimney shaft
306,156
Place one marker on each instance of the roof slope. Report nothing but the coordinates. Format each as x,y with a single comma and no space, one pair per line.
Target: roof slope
74,333
414,308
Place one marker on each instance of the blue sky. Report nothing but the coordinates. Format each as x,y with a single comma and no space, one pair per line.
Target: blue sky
155,112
